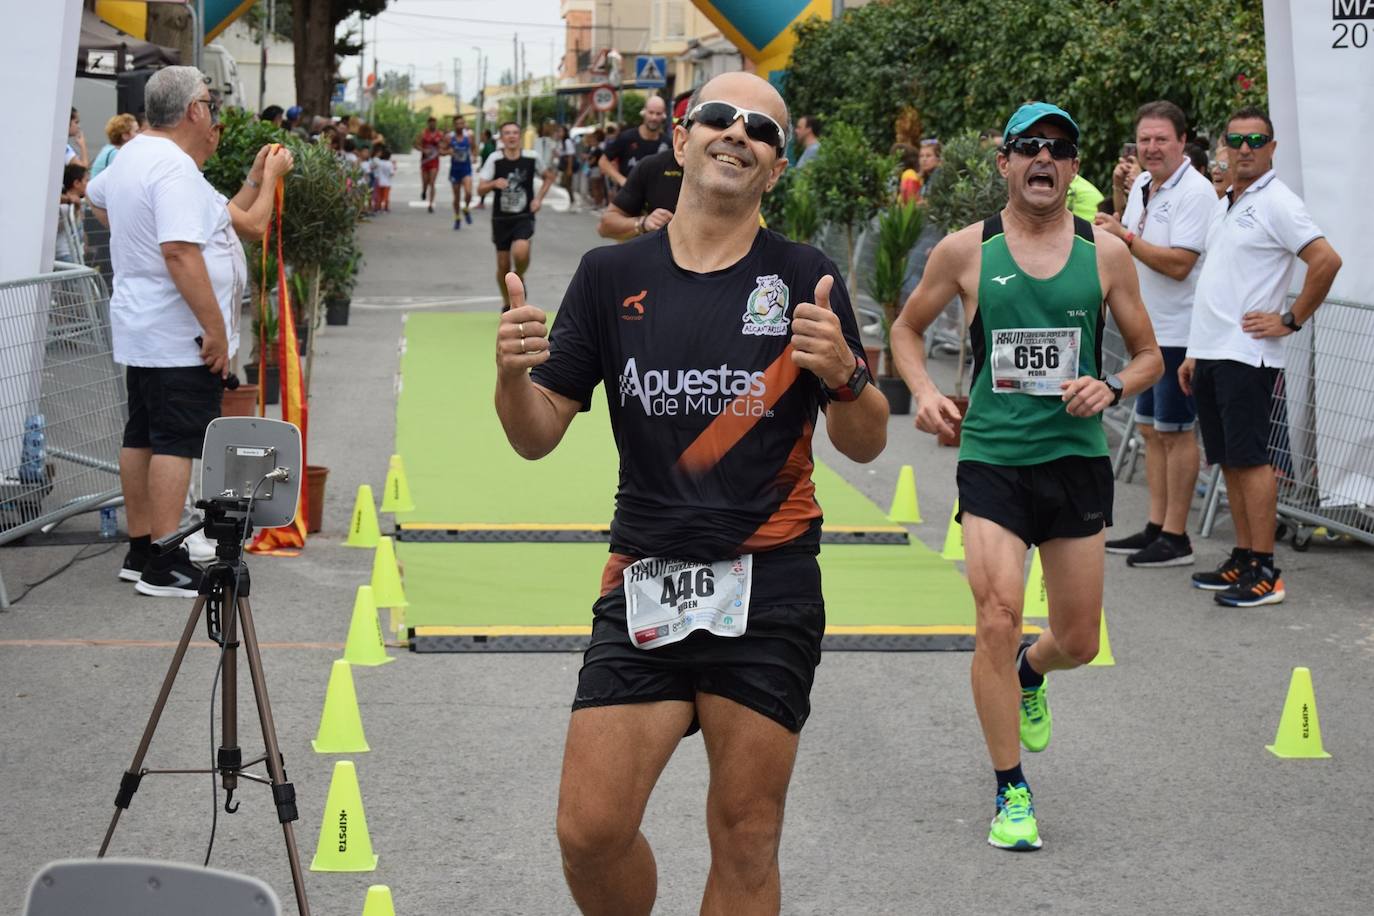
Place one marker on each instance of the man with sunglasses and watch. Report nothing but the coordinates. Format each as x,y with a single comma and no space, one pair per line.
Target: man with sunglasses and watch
1258,232
717,342
1164,225
1033,465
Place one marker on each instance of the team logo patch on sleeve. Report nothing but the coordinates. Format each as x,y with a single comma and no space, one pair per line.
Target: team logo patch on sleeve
765,314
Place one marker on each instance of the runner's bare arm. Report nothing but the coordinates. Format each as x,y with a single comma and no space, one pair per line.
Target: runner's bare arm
1085,396
947,275
616,224
857,428
533,417
608,168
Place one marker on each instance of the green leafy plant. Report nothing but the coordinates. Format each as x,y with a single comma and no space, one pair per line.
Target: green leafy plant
965,189
849,182
398,125
967,186
966,64
801,218
241,136
899,227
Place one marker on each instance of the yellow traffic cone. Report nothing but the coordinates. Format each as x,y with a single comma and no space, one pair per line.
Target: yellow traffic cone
1104,658
378,902
905,509
341,724
1299,734
365,645
386,577
954,537
1036,603
396,496
344,844
362,528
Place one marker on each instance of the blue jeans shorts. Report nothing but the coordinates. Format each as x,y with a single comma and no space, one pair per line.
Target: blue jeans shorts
1164,406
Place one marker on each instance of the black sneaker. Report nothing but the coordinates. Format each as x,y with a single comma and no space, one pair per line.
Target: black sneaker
1225,575
1163,551
172,576
1256,585
132,570
1135,542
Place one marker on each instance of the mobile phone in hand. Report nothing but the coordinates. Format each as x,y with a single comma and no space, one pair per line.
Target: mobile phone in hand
1128,151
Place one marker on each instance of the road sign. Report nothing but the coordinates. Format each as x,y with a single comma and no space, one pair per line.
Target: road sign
651,71
338,95
603,98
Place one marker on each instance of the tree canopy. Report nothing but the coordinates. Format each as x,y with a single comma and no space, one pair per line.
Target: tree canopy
966,64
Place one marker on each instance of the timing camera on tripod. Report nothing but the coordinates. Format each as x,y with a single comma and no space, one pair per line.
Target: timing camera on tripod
253,466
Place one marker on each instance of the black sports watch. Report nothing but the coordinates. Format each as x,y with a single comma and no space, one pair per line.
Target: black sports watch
1290,322
851,389
1114,383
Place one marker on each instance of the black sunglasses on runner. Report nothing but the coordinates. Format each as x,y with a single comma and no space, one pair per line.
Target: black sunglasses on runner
757,125
1254,141
1031,146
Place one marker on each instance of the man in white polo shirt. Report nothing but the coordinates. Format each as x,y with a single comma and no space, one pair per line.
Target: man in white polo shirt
1165,226
1235,346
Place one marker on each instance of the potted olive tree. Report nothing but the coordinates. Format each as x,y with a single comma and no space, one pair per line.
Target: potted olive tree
899,226
965,189
849,184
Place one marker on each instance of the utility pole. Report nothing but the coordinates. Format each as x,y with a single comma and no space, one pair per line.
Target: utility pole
515,74
457,86
362,67
481,90
529,90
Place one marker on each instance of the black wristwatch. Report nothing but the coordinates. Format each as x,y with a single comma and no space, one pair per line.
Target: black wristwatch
851,389
1290,322
1114,384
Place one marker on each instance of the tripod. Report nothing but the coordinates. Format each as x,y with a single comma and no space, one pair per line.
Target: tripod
224,595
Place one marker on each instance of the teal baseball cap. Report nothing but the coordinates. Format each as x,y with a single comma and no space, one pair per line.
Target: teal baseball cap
1029,113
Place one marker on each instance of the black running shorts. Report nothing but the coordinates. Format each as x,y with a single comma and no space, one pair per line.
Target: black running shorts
1066,498
770,669
169,408
1234,401
506,231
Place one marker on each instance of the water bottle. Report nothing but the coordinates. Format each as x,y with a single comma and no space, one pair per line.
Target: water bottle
109,522
34,450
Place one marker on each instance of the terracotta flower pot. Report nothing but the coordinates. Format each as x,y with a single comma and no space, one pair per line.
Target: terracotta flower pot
240,402
315,476
874,357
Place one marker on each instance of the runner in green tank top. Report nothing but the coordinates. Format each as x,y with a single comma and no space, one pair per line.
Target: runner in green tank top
1033,466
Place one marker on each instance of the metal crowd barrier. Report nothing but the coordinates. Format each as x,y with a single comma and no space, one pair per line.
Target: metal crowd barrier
62,401
1321,434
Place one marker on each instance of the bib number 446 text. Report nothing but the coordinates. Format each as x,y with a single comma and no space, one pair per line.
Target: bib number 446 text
686,586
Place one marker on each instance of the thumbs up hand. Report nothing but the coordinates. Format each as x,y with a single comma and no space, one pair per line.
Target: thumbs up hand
522,337
818,342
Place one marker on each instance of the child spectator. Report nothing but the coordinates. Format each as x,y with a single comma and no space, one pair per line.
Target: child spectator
384,169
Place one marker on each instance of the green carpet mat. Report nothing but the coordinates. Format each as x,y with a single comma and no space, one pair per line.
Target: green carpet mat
462,470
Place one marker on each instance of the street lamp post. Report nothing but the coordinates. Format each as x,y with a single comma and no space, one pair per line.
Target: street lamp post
481,91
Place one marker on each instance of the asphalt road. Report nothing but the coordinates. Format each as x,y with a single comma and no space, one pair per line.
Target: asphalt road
1157,795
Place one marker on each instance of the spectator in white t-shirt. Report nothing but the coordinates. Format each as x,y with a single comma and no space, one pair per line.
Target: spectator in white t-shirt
1258,232
179,275
1165,222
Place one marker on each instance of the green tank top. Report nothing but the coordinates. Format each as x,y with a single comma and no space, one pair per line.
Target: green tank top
1025,334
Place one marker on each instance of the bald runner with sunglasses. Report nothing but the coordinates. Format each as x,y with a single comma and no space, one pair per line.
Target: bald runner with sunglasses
718,343
1033,465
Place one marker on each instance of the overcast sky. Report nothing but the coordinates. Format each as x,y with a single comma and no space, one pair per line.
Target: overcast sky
429,34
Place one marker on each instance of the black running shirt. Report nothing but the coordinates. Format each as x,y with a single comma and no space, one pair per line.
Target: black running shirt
514,201
712,418
653,185
627,149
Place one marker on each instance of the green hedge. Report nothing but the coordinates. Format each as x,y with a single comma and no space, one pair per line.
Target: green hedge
966,64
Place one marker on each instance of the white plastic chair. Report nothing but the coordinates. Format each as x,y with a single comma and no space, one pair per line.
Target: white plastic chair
143,887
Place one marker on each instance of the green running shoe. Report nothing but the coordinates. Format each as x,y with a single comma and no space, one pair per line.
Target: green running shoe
1035,719
1014,825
